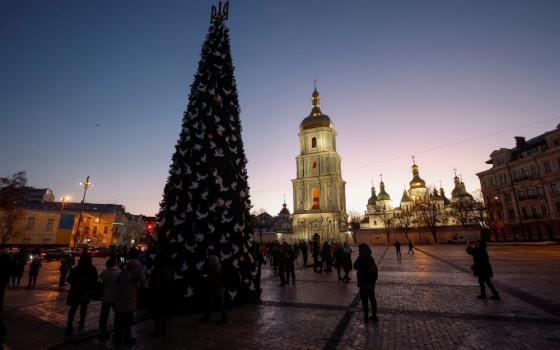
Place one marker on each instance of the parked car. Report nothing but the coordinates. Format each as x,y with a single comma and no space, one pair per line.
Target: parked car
462,239
53,254
458,240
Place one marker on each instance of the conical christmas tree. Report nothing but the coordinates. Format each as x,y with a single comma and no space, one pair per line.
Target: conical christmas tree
205,206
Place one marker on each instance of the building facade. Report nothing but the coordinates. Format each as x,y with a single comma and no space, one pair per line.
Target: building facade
318,190
56,224
522,189
381,213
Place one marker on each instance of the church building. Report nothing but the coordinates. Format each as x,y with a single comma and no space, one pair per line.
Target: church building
318,191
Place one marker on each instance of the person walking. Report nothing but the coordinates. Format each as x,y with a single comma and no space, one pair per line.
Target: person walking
282,261
366,271
6,270
109,278
410,248
159,285
347,262
34,271
290,264
129,282
316,251
260,260
338,260
326,257
215,290
304,253
482,269
19,267
66,264
6,267
81,279
398,249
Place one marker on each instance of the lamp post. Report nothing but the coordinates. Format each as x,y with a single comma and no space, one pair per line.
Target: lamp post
86,185
63,200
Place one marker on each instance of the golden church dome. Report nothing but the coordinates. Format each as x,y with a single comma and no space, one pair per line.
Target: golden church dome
417,181
316,118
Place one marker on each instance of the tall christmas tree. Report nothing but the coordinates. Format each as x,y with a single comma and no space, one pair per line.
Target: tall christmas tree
205,206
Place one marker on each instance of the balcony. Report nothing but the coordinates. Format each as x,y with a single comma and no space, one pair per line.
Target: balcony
521,178
533,217
531,196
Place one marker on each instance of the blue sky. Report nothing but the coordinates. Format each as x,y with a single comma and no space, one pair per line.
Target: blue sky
396,77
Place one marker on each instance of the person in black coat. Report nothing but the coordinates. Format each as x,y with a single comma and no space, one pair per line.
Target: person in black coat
6,267
19,266
159,286
482,269
82,279
366,271
290,263
326,257
304,253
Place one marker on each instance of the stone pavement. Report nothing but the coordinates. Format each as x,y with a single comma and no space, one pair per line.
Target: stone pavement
426,301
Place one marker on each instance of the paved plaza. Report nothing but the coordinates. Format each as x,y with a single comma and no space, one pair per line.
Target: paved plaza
426,301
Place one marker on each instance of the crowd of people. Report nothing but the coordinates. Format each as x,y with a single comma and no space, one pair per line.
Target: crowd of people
118,287
123,282
283,257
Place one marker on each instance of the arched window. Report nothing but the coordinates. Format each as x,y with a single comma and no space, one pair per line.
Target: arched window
314,165
315,196
314,142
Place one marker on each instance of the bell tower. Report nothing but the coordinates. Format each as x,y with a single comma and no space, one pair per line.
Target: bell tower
318,189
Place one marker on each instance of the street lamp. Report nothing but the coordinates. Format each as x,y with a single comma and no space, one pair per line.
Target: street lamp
86,185
63,200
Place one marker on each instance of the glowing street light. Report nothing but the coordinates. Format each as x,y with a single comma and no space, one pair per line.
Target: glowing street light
86,185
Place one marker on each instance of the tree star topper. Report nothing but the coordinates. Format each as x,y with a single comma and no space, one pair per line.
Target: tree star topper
220,14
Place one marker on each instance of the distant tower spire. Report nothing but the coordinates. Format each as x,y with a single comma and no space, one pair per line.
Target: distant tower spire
315,100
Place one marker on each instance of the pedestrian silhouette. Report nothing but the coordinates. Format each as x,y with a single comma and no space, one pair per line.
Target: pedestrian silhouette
82,278
398,249
366,271
109,279
482,269
214,289
34,271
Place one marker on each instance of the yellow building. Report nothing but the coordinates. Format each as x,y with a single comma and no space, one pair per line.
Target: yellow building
56,223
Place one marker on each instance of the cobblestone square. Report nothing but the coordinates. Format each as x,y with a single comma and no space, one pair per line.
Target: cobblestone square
426,301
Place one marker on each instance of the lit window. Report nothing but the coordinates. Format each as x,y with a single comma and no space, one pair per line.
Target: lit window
315,196
30,223
50,223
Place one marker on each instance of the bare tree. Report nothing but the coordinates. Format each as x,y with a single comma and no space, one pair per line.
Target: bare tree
12,193
404,221
354,218
473,211
386,216
431,213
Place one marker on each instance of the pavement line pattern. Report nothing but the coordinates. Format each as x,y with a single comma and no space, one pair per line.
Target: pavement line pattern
529,298
340,329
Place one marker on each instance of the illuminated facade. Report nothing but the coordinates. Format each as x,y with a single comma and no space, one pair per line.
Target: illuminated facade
522,189
318,191
52,223
380,212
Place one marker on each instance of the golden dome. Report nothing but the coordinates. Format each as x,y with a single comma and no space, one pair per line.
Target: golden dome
417,181
316,118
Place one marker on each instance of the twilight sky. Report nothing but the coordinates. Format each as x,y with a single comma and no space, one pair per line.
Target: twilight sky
99,87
